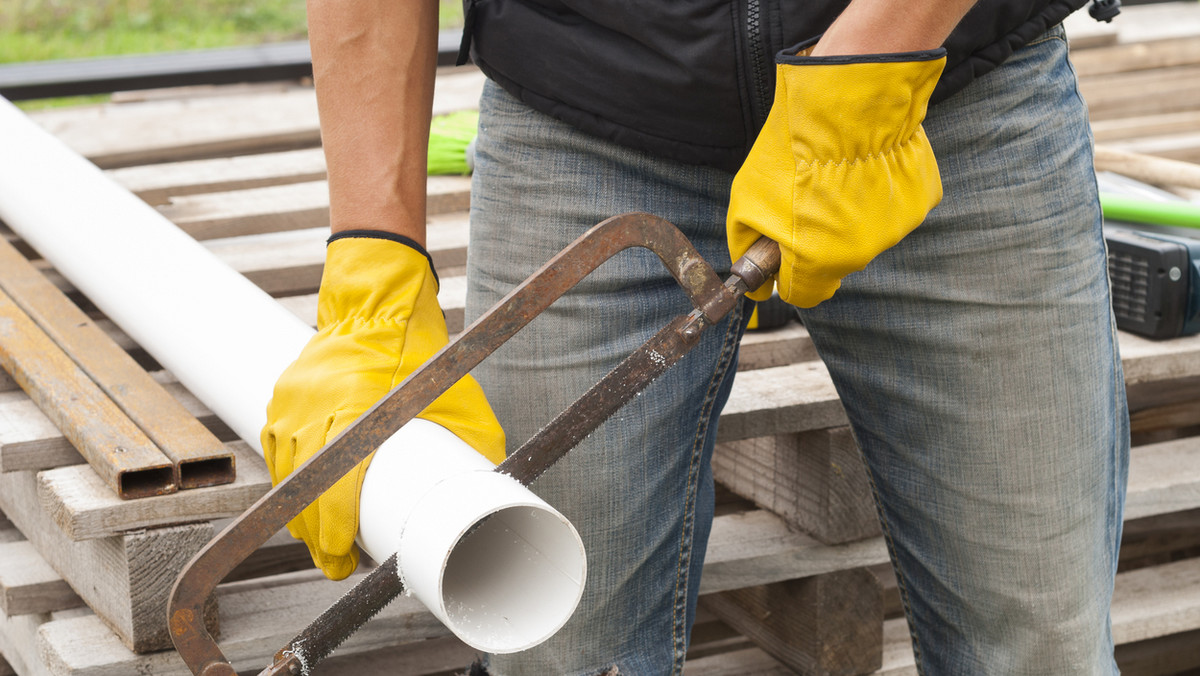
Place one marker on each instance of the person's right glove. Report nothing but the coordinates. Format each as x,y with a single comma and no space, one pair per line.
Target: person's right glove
378,319
841,170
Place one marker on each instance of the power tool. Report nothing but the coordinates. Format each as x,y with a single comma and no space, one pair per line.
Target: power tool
1155,282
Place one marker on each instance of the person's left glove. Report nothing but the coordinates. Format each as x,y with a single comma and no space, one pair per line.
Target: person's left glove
378,319
842,169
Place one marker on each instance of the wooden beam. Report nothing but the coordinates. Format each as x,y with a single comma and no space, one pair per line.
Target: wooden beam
757,547
815,481
788,344
823,625
1147,168
1183,147
77,502
744,662
30,585
1136,56
158,183
1147,361
293,206
122,135
256,621
1148,603
1165,90
781,400
28,440
1164,478
124,579
18,644
1173,655
1145,126
290,262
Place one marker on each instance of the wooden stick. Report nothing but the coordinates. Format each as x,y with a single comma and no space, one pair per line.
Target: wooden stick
1147,168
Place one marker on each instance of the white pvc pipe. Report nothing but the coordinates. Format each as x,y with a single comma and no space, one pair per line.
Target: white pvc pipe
499,566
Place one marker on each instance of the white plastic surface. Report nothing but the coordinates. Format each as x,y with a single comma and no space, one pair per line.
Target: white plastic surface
227,341
501,568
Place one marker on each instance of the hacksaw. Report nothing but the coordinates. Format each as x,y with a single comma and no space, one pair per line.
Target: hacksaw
712,299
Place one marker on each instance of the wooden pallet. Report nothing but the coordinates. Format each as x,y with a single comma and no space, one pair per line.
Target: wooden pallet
83,576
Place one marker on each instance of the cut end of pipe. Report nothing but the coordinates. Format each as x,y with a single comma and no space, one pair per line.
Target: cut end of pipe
513,580
498,566
510,575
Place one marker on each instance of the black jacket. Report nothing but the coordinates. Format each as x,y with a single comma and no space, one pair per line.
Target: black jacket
693,80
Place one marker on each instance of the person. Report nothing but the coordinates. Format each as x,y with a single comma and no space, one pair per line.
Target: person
975,354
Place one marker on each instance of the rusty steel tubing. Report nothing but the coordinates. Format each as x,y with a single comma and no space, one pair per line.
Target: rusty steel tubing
121,455
199,458
283,502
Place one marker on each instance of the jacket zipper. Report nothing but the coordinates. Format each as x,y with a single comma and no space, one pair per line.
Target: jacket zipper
758,65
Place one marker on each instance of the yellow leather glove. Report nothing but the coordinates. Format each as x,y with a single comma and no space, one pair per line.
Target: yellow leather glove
378,319
841,170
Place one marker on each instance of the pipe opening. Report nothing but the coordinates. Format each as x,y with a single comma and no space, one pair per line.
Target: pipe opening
514,579
213,471
144,483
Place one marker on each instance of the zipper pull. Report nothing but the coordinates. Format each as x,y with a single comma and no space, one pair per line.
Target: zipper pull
1105,10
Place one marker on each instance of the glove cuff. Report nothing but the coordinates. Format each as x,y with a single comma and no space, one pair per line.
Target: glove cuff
374,276
389,236
797,55
841,110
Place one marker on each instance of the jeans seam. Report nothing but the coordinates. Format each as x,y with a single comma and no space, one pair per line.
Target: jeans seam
901,584
678,619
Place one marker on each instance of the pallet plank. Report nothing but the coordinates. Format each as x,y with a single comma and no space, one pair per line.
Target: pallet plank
815,481
157,183
124,578
827,624
1147,603
30,585
122,135
79,505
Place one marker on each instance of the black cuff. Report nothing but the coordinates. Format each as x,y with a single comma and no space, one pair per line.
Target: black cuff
791,57
391,237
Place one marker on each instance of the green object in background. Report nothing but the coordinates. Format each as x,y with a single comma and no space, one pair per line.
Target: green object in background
1136,210
450,136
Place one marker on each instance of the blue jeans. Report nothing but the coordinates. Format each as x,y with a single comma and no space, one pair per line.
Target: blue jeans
976,360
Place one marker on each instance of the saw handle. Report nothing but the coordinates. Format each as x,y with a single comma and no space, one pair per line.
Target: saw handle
759,263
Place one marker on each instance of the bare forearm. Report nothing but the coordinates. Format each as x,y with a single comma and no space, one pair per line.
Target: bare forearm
373,67
883,26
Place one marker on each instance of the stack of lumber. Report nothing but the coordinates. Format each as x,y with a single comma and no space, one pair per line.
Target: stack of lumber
795,578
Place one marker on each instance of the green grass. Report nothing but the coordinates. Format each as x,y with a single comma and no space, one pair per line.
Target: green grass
39,30
44,30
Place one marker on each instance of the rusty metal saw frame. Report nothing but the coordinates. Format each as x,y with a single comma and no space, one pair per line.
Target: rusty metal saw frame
712,300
